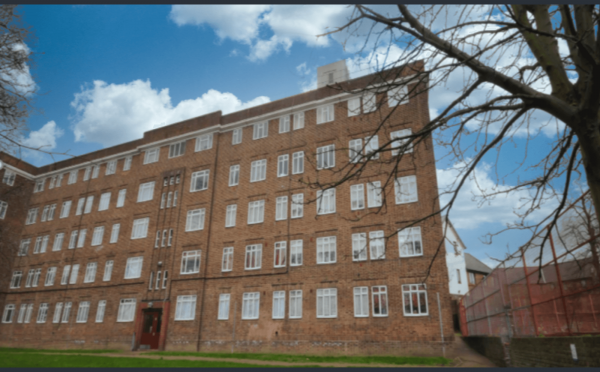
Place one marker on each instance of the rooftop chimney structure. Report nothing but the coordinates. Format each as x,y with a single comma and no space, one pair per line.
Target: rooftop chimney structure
332,73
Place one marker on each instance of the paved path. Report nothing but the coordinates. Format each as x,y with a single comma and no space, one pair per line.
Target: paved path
467,357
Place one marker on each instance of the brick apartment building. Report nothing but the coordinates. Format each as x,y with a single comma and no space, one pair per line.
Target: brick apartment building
203,235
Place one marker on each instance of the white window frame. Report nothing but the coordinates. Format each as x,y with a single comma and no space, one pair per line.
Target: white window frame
325,114
296,252
361,302
236,136
95,171
133,268
64,279
281,208
65,209
98,236
371,146
81,238
177,149
326,201
261,130
377,245
15,281
283,165
230,215
406,190
42,313
326,250
139,228
407,296
227,261
3,208
279,254
359,247
258,170
72,177
74,274
146,191
57,312
111,167
201,177
380,292
9,177
100,311
73,239
83,312
195,219
398,143
108,266
407,242
369,102
326,157
114,233
297,206
24,247
66,312
374,194
126,310
251,305
223,313
104,201
299,120
298,162
193,258
355,150
121,198
31,216
256,212
253,257
354,106
58,242
395,94
284,124
89,202
278,305
127,163
204,142
234,175
295,308
152,155
9,312
357,197
90,272
327,296
186,308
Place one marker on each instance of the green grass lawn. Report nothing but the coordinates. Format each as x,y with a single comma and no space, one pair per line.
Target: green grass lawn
69,351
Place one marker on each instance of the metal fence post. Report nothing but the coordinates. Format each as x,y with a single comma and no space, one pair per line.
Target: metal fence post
560,285
535,324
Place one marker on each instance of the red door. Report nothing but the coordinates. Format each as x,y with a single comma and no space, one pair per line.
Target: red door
151,329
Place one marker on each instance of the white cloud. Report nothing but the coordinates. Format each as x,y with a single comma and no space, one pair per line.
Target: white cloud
115,113
20,77
43,139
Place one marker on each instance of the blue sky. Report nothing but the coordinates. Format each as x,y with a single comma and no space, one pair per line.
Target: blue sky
107,73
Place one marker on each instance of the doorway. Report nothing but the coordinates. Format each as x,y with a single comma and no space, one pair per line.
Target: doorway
151,329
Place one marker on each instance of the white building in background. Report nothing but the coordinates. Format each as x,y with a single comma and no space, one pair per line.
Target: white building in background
455,260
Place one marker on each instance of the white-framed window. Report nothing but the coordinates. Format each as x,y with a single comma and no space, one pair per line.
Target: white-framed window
28,313
36,277
279,254
374,194
227,263
355,150
39,185
15,281
31,216
204,142
58,242
359,247
101,310
127,163
42,313
398,143
133,269
80,204
73,239
3,208
126,310
176,149
195,219
354,106
327,303
326,157
250,305
236,136
175,198
253,257
414,300
409,242
146,191
324,114
52,182
24,247
295,304
190,262
44,214
9,177
256,211
157,241
151,281
57,312
114,234
66,312
326,201
89,201
298,162
406,189
65,275
380,300
258,170
140,228
297,206
157,284
230,215
82,312
108,266
299,120
9,310
371,146
29,278
471,278
398,96
66,208
284,124
199,180
97,236
186,308
81,238
369,100
90,272
50,276
281,207
74,274
261,130
361,302
59,179
377,245
165,278
357,197
111,167
296,252
279,305
121,198
104,201
283,165
151,155
72,177
234,175
51,211
326,250
224,306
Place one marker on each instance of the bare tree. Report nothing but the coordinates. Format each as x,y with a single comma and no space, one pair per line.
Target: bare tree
511,68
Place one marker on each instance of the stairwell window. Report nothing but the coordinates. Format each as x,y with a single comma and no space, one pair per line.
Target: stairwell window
133,269
186,308
204,142
176,149
236,136
140,228
152,155
326,157
72,177
324,114
190,262
261,130
234,175
199,180
327,303
3,208
409,242
227,262
157,284
414,300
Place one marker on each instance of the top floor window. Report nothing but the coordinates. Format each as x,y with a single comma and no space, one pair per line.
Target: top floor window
177,149
236,137
398,96
299,120
111,167
204,142
127,163
284,124
39,185
9,177
324,114
152,155
261,130
72,177
369,102
354,106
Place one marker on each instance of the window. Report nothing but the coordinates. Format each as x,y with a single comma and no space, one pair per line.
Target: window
157,241
73,239
359,247
326,157
397,96
90,272
261,130
327,303
279,305
281,208
227,263
9,310
280,253
253,256
66,312
52,182
31,216
145,192
472,278
29,278
380,300
165,277
195,220
399,143
157,284
236,136
377,245
50,276
9,177
100,311
126,310
406,189
299,120
140,228
357,197
39,185
230,215
186,308
234,175
88,204
127,163
15,282
82,313
114,234
250,305
151,155
104,201
66,208
42,313
371,146
97,237
296,253
57,310
256,211
176,149
374,194
58,242
324,114
190,262
65,275
458,278
111,167
108,266
354,106
133,269
28,313
258,170
163,198
121,198
95,171
199,180
44,214
283,165
326,250
361,302
24,247
175,198
297,205
326,201
81,239
59,179
170,238
151,281
284,124
409,242
298,162
80,204
224,306
36,277
204,142
414,299
3,208
87,173
72,177
355,149
74,272
369,102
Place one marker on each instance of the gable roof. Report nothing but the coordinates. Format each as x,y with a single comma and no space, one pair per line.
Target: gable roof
474,264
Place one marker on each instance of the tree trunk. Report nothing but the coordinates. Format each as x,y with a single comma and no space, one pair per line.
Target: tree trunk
590,154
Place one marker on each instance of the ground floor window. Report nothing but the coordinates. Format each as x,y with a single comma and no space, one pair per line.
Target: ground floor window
186,308
250,305
414,299
126,310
